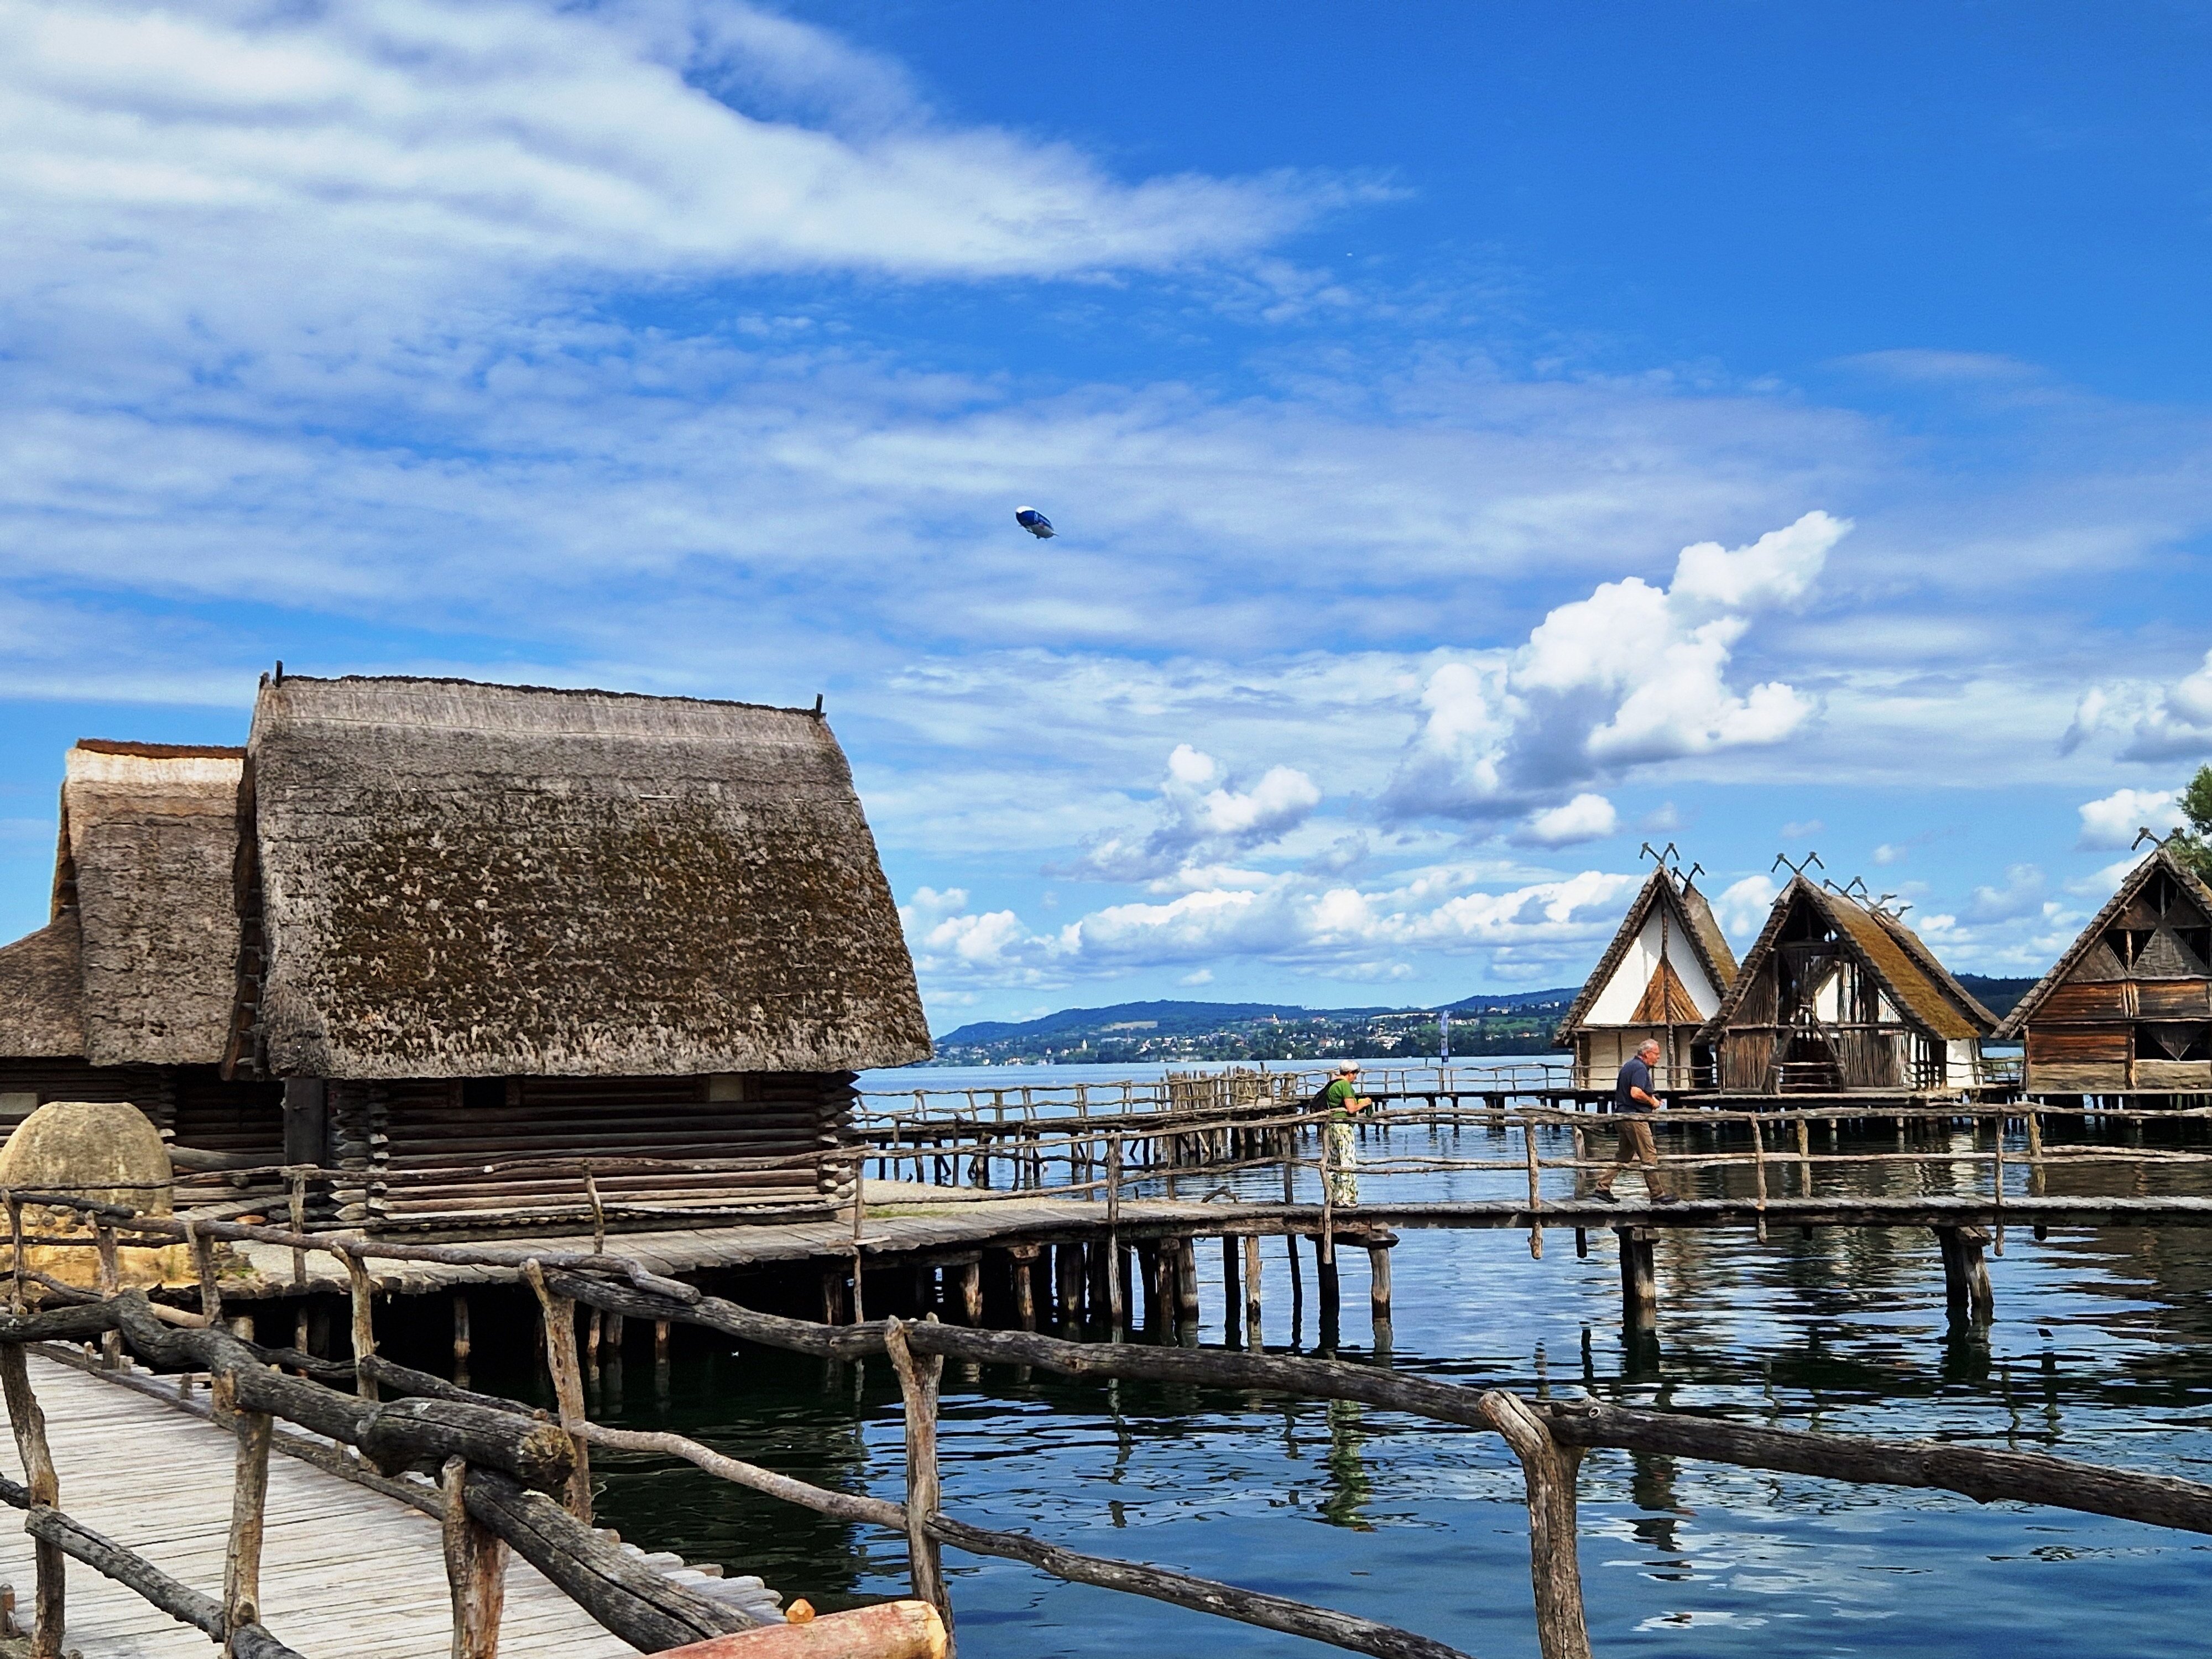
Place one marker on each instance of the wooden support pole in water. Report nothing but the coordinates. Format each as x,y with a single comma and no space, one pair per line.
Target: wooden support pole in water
1252,1291
1325,1277
1116,1300
475,1569
45,1487
1804,1158
660,1342
1023,1270
1548,1471
462,1345
1759,1176
1068,1285
1639,1279
1535,1185
1378,1285
558,1314
919,1378
1965,1273
1151,1266
1231,1294
1186,1280
972,1293
249,1497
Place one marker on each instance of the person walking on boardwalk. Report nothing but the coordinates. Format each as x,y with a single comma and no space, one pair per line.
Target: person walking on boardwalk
1633,1102
1340,1100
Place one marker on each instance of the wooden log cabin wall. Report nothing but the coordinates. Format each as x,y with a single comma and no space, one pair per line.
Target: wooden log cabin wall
2128,1009
1839,998
1662,977
424,933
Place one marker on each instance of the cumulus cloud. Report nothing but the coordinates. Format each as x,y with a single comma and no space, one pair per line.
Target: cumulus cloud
2114,820
1630,675
2151,721
1204,821
1743,907
1588,817
2022,895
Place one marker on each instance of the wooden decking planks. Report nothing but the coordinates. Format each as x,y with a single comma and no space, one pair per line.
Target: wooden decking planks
345,1570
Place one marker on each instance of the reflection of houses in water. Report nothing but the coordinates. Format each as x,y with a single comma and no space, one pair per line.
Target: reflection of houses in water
2128,1009
1837,997
1662,977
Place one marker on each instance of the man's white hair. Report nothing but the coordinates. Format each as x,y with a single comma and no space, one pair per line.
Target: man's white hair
1648,1042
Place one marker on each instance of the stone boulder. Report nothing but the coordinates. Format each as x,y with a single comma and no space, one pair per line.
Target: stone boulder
103,1150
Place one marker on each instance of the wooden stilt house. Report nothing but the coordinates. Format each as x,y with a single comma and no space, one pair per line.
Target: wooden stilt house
1662,977
126,993
2128,1009
1839,998
451,942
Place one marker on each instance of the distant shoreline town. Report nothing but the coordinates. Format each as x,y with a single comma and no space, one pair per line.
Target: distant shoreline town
1518,1022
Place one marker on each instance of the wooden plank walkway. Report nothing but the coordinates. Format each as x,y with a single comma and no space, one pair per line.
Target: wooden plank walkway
345,1572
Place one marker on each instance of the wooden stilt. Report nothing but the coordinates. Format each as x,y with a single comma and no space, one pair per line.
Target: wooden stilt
1639,1279
475,1570
972,1293
29,1423
1231,1330
241,1564
1252,1291
364,1322
1966,1274
1548,1471
110,1280
462,1346
1324,1276
1023,1258
920,1375
1378,1283
1151,1266
558,1314
1186,1281
660,1342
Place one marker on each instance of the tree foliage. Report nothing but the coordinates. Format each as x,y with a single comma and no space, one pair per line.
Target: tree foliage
2193,846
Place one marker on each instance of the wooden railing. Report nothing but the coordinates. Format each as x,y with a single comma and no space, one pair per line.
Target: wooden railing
501,1466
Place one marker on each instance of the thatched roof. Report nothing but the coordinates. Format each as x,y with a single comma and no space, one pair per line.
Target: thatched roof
149,843
474,880
1692,917
2160,862
42,994
1900,963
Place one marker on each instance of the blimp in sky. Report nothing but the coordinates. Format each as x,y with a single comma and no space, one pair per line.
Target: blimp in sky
1033,521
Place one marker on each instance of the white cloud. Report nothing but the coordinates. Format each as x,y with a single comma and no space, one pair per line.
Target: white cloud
2022,895
1800,830
1202,820
1742,906
1586,817
2114,820
1889,853
1632,675
2152,722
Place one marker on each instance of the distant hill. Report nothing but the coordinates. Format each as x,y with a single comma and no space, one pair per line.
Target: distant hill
1999,996
1517,1022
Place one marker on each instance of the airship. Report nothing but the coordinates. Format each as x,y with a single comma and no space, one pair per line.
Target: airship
1033,521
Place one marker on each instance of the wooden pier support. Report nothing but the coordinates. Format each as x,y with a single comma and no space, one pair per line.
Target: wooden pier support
1022,1261
1232,1329
1067,1270
920,1375
476,1570
1378,1285
1325,1277
1549,1469
1186,1281
971,1291
1966,1274
1252,1291
462,1344
558,1315
241,1565
1639,1279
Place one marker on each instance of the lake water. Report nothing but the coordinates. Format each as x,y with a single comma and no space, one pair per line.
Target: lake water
2102,1350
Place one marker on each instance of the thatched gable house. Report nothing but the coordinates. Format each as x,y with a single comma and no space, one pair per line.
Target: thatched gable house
424,933
126,993
1662,977
2128,1009
1838,998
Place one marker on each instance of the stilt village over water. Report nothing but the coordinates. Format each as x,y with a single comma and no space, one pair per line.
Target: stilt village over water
447,1031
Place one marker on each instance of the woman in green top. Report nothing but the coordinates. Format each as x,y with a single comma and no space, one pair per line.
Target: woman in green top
1340,1100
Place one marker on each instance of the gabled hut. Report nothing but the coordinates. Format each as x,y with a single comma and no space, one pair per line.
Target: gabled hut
2128,1009
1839,998
126,993
1662,977
488,923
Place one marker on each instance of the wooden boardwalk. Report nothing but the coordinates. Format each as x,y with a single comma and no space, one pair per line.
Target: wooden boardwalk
344,1571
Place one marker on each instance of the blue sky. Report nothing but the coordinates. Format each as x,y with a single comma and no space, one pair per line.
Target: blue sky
1378,367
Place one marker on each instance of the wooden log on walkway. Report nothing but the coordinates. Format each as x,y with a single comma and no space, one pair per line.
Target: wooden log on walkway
890,1629
475,1569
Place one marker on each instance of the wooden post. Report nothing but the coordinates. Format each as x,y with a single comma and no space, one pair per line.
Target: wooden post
1116,1307
598,1219
859,1214
1229,1295
476,1570
1022,1263
249,1497
2035,1151
462,1345
971,1291
1186,1280
1804,1158
1378,1284
1965,1273
15,1302
110,1281
919,1378
295,1186
558,1315
1535,1185
1068,1285
1252,1291
1151,1269
660,1342
364,1322
29,1423
1759,1176
1639,1279
1548,1470
1331,1309
595,1334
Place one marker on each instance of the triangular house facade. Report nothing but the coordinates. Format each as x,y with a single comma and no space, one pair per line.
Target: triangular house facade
1663,976
2128,1009
1836,998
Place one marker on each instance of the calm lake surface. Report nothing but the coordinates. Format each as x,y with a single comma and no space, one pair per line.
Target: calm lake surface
2102,1350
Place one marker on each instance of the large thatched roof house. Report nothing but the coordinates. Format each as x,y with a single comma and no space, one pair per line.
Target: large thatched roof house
456,926
2128,1009
1839,998
1662,978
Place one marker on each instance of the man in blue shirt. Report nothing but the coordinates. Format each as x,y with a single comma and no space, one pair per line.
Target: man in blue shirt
1633,1102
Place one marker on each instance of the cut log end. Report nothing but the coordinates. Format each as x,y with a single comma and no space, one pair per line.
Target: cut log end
892,1629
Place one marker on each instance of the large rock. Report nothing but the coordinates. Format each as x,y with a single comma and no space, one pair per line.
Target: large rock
103,1150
